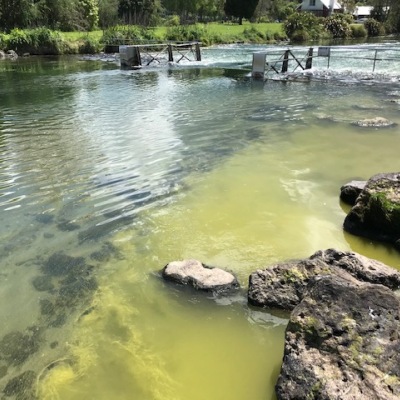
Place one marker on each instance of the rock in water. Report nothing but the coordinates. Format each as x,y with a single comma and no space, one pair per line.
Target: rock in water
350,191
200,276
342,342
283,285
376,213
377,122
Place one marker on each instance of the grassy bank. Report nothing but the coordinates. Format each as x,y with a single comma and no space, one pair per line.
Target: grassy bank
45,41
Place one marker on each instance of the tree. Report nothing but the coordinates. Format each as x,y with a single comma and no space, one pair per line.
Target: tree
139,12
90,13
387,11
241,9
108,13
15,14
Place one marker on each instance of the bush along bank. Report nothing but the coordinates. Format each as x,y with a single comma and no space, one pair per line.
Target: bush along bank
303,26
299,27
44,41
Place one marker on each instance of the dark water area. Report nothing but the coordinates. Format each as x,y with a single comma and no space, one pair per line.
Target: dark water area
106,175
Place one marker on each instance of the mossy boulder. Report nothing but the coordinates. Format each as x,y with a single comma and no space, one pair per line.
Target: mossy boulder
342,342
351,190
376,213
283,285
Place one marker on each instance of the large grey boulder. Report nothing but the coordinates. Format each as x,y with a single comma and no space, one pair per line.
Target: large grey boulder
376,213
200,276
342,343
283,285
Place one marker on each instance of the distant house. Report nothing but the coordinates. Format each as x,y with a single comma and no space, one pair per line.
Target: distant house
362,12
320,7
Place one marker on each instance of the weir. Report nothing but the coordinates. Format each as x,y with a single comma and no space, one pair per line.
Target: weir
136,56
292,59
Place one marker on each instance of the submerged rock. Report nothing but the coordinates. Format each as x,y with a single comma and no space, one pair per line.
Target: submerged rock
342,342
16,347
22,386
60,264
377,122
200,276
44,218
350,191
283,285
376,213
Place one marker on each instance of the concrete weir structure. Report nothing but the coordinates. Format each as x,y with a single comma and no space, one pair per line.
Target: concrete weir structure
136,56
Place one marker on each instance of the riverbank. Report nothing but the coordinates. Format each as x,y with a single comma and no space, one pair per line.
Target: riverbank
43,41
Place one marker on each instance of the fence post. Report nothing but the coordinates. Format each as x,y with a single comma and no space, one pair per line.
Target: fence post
285,64
198,53
170,53
137,59
373,68
309,58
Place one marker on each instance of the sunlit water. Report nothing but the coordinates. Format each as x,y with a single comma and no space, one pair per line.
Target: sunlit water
107,175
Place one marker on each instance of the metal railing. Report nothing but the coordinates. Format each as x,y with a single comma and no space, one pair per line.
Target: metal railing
353,57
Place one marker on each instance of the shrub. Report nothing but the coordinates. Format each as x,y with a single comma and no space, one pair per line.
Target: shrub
358,31
338,25
147,34
253,35
3,41
173,20
301,35
122,34
90,46
46,41
303,24
36,41
373,27
279,36
18,41
184,33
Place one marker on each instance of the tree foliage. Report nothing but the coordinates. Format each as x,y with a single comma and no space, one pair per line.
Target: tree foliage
387,12
15,14
240,9
84,15
139,12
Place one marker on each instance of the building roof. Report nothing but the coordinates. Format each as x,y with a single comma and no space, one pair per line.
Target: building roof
336,5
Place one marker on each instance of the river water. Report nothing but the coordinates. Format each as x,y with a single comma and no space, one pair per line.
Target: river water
107,175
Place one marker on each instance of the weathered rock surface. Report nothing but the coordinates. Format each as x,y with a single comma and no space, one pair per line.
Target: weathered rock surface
11,54
283,285
376,214
342,342
200,276
377,122
351,190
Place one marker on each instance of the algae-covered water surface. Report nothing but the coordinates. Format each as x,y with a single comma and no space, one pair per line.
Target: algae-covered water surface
107,175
